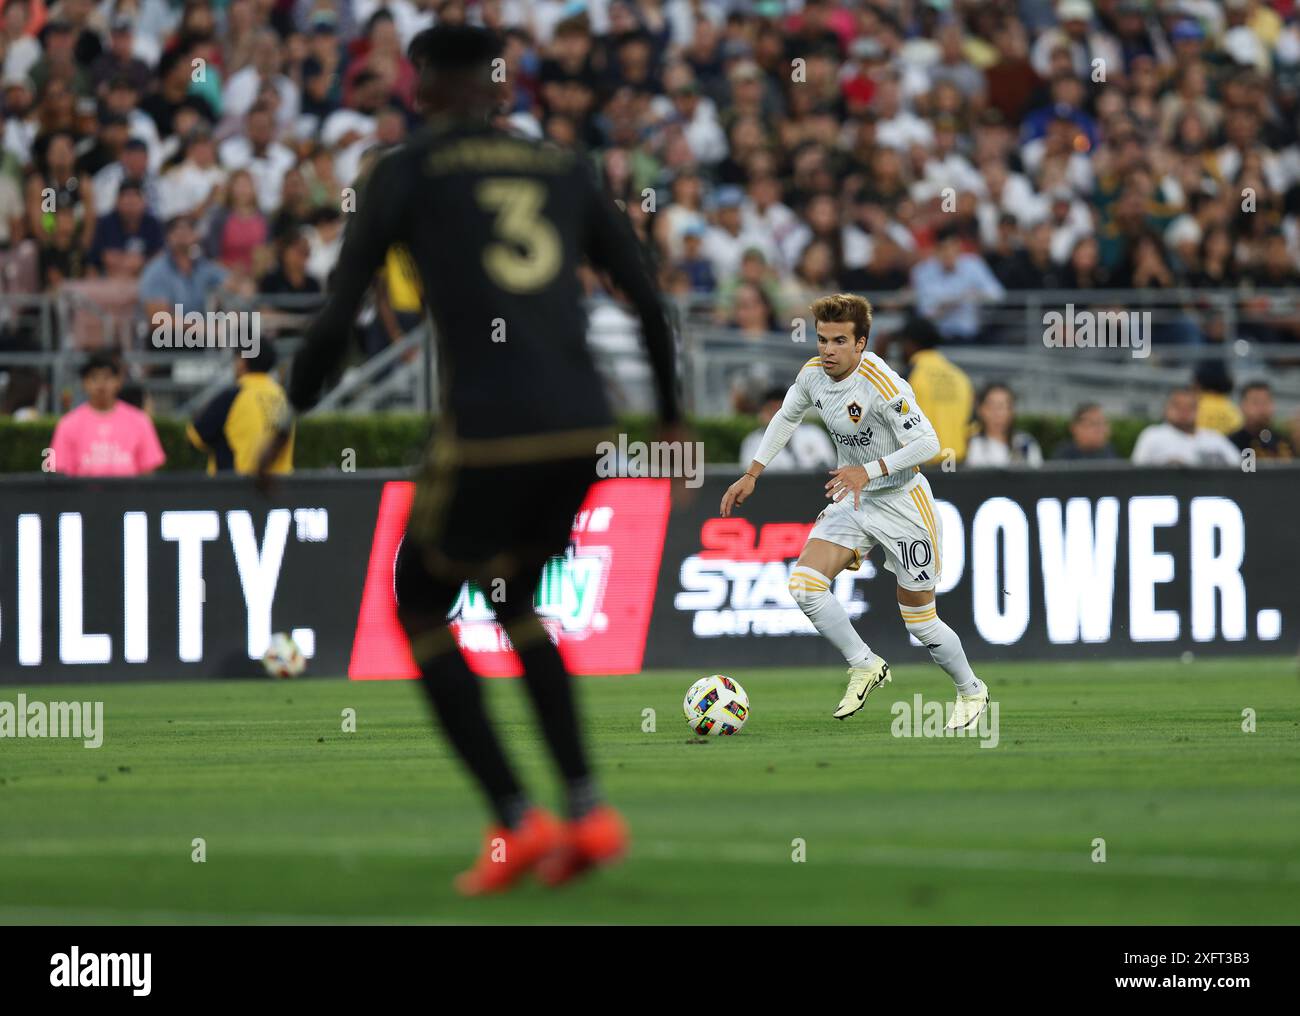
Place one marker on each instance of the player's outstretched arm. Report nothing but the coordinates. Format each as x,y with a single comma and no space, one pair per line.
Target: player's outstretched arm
374,227
777,436
611,245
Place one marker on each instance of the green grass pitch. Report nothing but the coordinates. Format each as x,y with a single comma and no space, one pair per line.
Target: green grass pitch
306,823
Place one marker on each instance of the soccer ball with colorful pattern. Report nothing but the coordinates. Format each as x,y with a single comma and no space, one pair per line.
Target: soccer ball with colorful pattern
716,705
283,658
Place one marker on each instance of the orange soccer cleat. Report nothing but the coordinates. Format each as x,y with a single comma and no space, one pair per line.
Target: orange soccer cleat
599,837
511,853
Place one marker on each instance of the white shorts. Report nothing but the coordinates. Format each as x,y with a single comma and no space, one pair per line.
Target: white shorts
903,522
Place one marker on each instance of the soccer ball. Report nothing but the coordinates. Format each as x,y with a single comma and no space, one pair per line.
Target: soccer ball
716,705
283,658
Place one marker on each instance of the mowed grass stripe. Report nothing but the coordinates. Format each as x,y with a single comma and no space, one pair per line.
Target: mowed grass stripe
303,822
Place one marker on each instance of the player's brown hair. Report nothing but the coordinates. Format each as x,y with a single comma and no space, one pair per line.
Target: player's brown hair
841,307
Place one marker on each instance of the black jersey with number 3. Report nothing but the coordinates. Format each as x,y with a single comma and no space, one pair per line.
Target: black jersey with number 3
496,225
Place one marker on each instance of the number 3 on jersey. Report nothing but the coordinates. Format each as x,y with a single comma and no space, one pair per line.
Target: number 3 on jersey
527,253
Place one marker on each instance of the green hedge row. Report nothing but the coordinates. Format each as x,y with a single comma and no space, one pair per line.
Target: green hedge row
396,439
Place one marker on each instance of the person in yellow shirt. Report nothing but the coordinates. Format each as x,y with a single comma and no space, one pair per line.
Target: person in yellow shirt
1215,409
235,426
944,392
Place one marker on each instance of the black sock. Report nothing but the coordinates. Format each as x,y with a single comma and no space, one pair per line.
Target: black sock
581,796
551,689
456,696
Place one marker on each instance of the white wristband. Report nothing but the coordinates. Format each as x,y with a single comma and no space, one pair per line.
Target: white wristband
874,472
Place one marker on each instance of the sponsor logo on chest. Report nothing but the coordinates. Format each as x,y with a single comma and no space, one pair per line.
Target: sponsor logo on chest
859,440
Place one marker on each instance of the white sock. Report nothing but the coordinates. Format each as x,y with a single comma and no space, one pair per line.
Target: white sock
943,643
812,591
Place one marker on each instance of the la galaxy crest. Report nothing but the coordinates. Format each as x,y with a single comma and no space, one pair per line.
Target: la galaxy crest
855,412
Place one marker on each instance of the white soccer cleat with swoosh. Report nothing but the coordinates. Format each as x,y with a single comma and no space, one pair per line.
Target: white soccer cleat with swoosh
862,682
968,709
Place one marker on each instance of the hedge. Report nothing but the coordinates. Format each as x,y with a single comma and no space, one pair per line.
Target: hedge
393,440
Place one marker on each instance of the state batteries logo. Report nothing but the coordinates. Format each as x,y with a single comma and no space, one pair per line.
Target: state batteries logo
903,408
855,411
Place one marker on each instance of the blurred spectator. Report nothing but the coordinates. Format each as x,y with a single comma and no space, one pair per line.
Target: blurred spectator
55,185
996,442
22,395
1085,270
849,245
1089,436
1216,267
1033,267
63,255
696,115
173,93
951,286
384,57
193,186
1215,409
237,424
726,241
123,99
943,391
105,436
1257,433
1178,441
698,268
126,237
119,60
752,314
21,50
238,228
132,163
810,447
59,59
256,150
685,209
295,204
244,86
755,271
321,73
289,277
179,276
398,302
810,280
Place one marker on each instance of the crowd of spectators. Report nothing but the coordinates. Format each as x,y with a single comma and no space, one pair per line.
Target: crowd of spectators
937,153
942,151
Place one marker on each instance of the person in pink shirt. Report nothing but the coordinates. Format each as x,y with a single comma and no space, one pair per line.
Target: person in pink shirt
105,436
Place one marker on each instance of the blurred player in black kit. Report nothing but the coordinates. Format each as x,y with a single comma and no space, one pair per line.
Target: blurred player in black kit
496,226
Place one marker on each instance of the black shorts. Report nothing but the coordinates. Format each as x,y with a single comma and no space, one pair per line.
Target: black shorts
474,523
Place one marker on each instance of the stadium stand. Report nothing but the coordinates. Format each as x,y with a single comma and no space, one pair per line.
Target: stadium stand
986,163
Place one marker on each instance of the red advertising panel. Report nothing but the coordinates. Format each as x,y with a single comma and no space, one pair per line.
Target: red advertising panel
595,600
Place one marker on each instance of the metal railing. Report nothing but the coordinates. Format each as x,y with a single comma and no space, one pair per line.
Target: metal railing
717,362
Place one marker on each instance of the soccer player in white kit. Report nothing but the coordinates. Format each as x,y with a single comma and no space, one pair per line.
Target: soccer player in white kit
878,497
